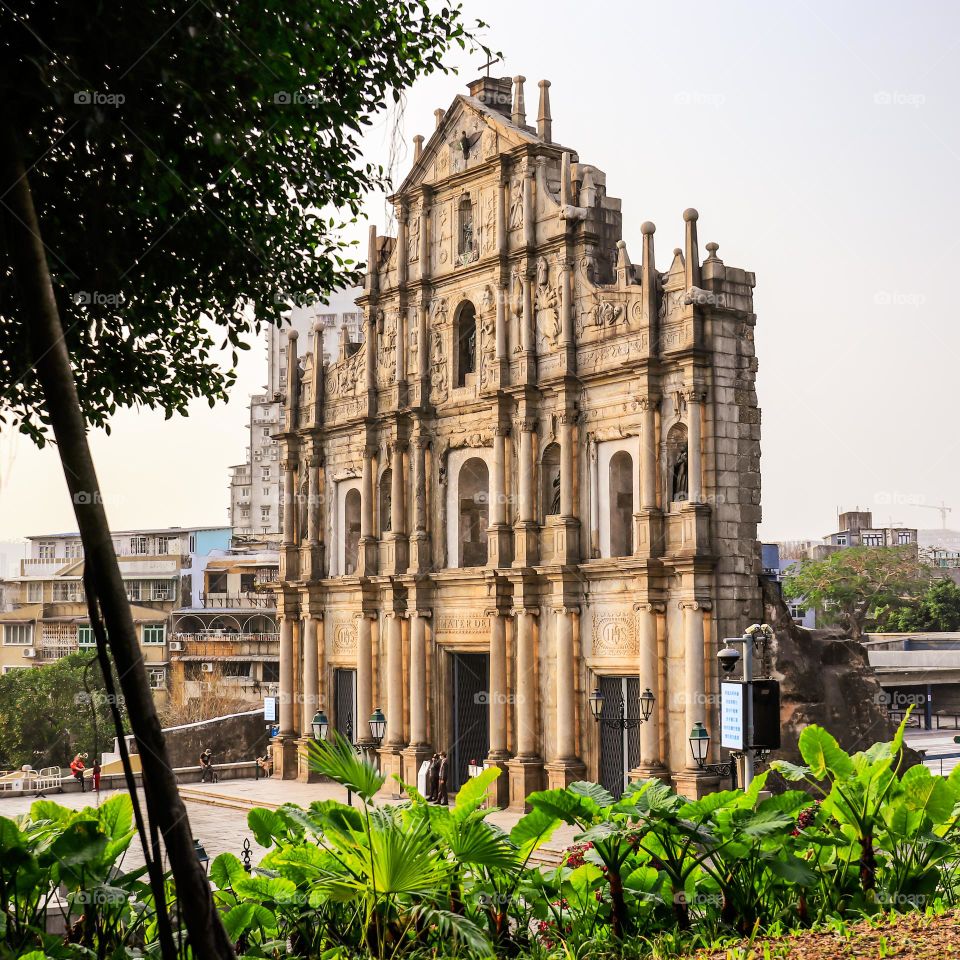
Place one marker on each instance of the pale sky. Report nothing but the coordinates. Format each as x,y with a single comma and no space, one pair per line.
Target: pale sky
820,143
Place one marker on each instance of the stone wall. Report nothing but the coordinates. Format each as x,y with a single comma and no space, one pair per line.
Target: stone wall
233,739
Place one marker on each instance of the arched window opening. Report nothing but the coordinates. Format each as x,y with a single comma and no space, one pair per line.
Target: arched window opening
386,489
550,481
621,504
466,334
474,512
351,531
678,478
465,220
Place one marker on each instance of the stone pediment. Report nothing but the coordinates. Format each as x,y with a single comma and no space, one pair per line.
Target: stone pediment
488,132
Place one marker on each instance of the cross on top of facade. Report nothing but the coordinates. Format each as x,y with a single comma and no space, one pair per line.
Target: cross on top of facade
491,60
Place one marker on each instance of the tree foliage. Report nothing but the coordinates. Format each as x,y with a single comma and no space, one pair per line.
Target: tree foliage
184,160
937,609
850,585
49,714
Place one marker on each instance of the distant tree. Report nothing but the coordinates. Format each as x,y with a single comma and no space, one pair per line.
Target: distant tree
167,172
48,714
936,610
851,585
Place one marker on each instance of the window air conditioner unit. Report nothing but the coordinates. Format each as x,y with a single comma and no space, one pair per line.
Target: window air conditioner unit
206,667
176,646
30,652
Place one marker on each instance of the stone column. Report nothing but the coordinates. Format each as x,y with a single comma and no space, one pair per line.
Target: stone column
526,768
419,542
311,676
695,483
364,679
402,216
693,667
423,343
289,496
501,324
366,561
502,191
567,447
648,456
525,465
566,686
286,677
395,706
425,235
651,763
498,697
498,536
313,501
566,304
370,346
529,212
418,749
398,513
594,499
527,342
401,347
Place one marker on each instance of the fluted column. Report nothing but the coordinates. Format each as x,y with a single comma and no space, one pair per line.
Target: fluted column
398,513
694,460
567,448
394,680
418,680
527,341
529,212
402,216
694,674
498,685
286,677
526,718
525,503
501,323
648,456
289,513
366,494
497,480
502,191
364,678
423,343
313,501
311,676
566,305
566,686
370,345
401,346
650,680
425,235
418,468
594,499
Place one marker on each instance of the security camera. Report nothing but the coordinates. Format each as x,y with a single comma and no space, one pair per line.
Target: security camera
729,658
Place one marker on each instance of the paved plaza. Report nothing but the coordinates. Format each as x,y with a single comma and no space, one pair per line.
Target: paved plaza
218,812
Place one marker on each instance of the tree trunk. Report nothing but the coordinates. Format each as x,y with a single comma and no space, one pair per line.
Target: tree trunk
52,365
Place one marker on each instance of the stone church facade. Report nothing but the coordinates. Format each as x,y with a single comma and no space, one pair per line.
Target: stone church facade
537,475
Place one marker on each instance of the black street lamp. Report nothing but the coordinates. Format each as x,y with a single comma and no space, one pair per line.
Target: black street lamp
320,725
700,750
597,700
378,726
201,854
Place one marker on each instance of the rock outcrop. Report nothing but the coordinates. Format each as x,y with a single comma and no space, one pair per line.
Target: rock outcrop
825,678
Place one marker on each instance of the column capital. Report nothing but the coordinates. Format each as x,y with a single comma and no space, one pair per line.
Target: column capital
695,395
364,615
648,607
494,612
501,431
422,614
569,418
403,211
566,608
288,464
647,403
694,604
519,611
527,425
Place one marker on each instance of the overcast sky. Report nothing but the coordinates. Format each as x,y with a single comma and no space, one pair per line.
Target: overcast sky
820,143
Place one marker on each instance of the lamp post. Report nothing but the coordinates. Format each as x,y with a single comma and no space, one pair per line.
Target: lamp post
201,854
700,748
597,700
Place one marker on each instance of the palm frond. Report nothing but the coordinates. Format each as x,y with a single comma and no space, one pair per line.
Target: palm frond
336,759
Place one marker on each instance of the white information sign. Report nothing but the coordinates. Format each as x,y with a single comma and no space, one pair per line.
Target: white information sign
270,709
733,715
422,777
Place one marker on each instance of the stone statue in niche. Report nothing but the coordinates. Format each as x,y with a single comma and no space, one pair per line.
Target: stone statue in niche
443,234
302,501
516,306
490,222
489,144
680,478
413,236
606,313
516,204
548,303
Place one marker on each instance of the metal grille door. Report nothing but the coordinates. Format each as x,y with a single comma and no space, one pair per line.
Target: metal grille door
345,703
619,749
471,715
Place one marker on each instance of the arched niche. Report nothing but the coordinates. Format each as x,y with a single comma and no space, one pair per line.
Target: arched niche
620,481
550,481
465,342
678,481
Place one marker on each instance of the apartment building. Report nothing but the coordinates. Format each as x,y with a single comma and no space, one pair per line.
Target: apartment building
255,502
49,618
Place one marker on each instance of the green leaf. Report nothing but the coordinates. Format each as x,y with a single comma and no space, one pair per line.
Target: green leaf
267,826
600,796
472,794
226,869
533,829
823,754
247,917
792,869
116,816
790,771
566,806
337,760
925,793
277,890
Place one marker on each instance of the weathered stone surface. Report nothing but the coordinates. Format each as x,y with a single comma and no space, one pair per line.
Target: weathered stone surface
825,678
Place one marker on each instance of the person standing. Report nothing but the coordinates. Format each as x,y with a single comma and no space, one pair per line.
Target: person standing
433,779
96,775
442,772
77,768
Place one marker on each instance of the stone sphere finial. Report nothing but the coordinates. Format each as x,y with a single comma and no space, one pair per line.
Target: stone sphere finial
292,335
712,248
647,228
677,251
690,214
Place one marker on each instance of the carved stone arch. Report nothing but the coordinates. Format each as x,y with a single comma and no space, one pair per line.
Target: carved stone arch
675,462
465,342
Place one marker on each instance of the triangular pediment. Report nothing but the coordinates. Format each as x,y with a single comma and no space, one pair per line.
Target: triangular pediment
491,134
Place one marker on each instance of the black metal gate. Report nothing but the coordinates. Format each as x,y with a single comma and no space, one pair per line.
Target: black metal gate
345,703
619,749
471,715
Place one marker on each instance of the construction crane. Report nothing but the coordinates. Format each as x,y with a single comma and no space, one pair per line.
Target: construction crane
943,508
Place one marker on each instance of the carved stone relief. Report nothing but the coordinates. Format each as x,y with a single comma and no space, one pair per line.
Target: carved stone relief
615,635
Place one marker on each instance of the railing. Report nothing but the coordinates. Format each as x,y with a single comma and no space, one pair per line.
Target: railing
939,721
219,636
54,651
240,601
936,762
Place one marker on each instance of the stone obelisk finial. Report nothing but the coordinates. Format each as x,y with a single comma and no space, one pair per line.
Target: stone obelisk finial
438,115
691,254
417,147
519,115
544,120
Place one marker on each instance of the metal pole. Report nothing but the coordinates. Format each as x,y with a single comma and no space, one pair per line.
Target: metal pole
748,682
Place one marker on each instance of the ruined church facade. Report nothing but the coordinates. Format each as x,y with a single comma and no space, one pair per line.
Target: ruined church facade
537,476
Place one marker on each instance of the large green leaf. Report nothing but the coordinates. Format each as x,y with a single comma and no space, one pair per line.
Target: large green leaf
404,862
247,917
477,843
599,795
472,794
791,802
277,890
225,870
792,869
565,805
925,793
534,829
337,760
823,754
267,826
790,771
116,816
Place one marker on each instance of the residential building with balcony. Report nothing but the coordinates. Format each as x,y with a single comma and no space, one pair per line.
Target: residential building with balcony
226,640
49,617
